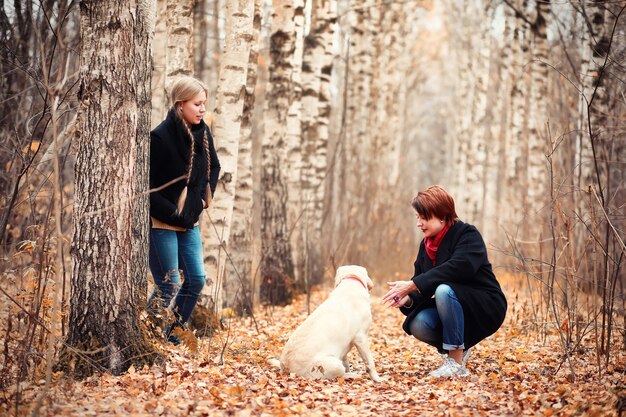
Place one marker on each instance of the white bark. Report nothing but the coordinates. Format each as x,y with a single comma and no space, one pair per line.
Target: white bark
239,282
207,34
595,147
463,159
317,65
294,140
495,211
159,95
355,150
230,100
538,175
477,134
277,263
516,140
179,52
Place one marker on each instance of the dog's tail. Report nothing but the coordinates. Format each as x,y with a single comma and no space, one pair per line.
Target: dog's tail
275,363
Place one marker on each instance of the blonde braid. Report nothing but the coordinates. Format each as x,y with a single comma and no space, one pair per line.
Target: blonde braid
205,139
183,193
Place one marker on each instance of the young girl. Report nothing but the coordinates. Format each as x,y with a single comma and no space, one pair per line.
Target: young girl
184,170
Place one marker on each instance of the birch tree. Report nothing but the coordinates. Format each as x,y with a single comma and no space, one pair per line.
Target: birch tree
173,51
516,144
353,151
277,269
179,52
239,279
316,107
463,120
216,227
294,141
110,241
159,95
475,126
495,212
207,47
538,175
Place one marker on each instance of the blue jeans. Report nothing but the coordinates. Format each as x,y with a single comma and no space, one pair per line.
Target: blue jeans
170,251
442,327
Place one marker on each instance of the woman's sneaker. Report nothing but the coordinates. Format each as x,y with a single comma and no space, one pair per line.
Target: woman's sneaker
449,369
466,356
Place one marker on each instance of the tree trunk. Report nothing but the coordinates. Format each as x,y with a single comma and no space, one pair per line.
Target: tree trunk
159,95
277,269
462,120
477,132
316,72
353,187
179,53
110,241
207,45
538,175
216,225
516,166
239,281
294,142
496,211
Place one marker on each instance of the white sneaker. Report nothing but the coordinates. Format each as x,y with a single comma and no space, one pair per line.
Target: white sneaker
449,369
466,356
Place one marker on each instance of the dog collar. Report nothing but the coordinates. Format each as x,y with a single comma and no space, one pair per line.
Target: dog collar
354,277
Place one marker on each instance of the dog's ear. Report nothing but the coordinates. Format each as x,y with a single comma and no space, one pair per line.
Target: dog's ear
370,283
338,276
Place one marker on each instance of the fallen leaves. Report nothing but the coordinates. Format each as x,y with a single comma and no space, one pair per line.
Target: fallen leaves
512,373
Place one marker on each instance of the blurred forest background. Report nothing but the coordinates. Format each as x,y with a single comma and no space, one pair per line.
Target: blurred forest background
329,116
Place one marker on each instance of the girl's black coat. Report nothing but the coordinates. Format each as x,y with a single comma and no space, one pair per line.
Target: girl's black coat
170,149
462,264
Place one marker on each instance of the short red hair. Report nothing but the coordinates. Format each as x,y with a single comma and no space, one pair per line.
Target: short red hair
435,201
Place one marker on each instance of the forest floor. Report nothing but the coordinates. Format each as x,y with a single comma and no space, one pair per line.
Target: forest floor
514,372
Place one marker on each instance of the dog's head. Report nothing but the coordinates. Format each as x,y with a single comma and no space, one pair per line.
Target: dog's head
355,270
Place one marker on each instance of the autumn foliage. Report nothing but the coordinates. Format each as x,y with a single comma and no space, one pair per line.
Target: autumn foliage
515,372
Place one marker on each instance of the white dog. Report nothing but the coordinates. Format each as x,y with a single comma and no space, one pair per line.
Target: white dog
319,347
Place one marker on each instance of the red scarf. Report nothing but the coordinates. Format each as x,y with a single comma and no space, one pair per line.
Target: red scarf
432,244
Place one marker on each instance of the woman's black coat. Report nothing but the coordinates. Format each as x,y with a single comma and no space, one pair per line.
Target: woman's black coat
170,149
462,264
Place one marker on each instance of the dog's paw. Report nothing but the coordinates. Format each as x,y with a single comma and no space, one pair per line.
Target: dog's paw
377,378
274,363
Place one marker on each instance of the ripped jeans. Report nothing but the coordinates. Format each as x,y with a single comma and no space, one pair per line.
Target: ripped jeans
170,251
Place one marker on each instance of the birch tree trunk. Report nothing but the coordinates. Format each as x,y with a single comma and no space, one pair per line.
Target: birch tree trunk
496,213
515,153
239,283
595,149
207,18
277,268
354,152
477,134
538,175
159,52
110,241
229,109
316,107
179,53
294,146
388,128
462,120
393,94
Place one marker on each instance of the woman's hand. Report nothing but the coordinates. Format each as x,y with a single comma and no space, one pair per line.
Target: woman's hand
398,294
